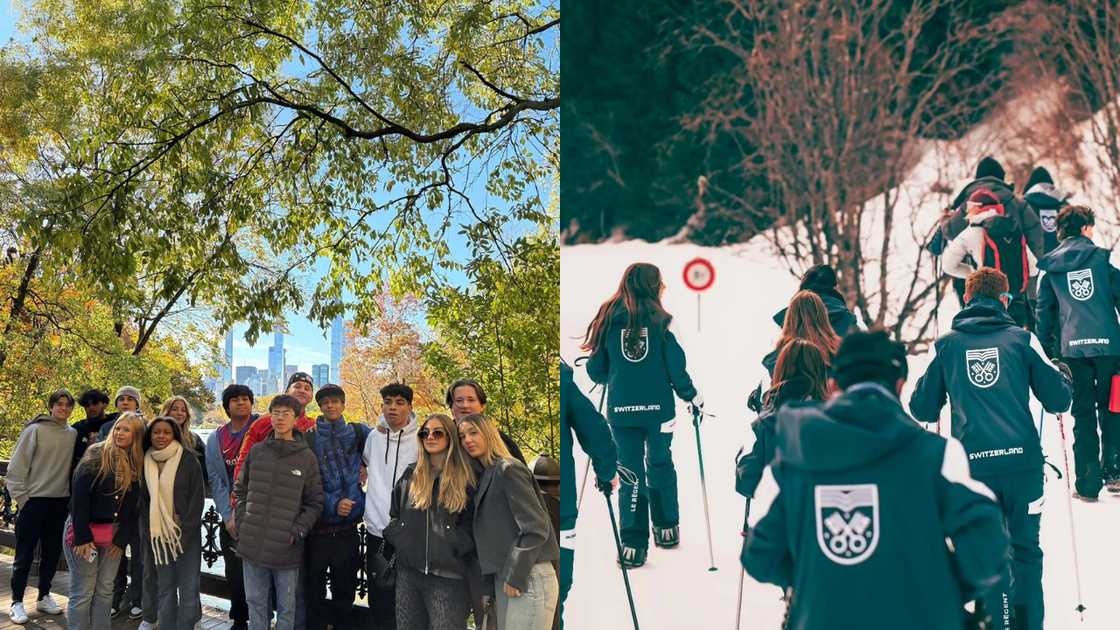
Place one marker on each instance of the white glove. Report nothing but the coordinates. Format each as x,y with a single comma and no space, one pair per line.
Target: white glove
696,405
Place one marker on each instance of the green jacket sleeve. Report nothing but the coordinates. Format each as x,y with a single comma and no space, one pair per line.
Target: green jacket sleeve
592,432
675,364
766,554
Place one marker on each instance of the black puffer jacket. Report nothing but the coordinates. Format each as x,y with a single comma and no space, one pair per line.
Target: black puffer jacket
95,500
279,498
432,541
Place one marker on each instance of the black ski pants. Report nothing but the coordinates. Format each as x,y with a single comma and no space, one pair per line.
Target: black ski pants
1092,382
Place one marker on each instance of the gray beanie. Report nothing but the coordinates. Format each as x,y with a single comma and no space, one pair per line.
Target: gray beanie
128,390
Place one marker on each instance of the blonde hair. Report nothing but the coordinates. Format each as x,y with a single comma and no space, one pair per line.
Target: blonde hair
123,464
188,436
807,318
456,477
495,446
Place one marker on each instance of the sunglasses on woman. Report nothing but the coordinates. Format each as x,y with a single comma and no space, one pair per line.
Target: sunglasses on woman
435,433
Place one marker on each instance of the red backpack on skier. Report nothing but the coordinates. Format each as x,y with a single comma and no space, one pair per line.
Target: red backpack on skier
1004,247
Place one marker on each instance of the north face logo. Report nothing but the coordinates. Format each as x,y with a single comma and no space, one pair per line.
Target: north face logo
982,366
1080,284
634,350
847,522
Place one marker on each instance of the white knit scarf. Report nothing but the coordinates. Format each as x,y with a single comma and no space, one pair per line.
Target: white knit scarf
161,490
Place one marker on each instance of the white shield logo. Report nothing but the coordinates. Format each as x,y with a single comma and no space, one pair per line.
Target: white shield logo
847,522
640,349
1080,284
982,366
1049,219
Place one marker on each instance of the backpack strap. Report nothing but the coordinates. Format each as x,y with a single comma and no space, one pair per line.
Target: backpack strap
988,242
1026,266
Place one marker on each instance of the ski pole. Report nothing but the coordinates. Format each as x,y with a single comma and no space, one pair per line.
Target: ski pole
618,548
587,466
703,487
742,571
1072,531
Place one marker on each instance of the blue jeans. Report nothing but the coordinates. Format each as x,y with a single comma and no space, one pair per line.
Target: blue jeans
91,589
258,579
179,604
535,609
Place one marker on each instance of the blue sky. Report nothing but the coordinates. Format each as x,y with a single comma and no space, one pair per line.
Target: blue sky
306,343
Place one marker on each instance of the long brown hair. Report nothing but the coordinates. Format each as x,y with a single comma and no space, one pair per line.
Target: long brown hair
807,318
456,476
803,361
639,293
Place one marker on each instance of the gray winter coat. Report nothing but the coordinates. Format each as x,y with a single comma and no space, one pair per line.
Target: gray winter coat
279,498
512,531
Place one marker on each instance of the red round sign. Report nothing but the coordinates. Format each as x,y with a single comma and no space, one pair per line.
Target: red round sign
699,274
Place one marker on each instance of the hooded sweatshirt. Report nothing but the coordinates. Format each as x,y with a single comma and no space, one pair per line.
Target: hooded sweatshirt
866,501
1047,200
41,462
640,383
1078,298
989,366
387,454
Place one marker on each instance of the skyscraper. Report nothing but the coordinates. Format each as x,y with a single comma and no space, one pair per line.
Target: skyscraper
227,373
321,374
338,330
276,361
289,370
245,373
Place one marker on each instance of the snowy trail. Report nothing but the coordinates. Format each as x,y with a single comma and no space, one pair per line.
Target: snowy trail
675,589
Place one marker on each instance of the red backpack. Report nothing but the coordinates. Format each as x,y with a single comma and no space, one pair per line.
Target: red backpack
1005,248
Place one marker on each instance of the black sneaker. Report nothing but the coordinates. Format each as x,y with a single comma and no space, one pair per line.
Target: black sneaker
1085,499
633,557
115,611
135,612
668,537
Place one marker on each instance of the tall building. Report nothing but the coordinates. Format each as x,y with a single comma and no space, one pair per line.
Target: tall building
227,373
245,373
321,374
276,358
266,384
338,337
289,370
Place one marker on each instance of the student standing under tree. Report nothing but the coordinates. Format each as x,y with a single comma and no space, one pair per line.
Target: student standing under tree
389,450
222,450
430,528
171,522
512,533
38,481
279,498
103,519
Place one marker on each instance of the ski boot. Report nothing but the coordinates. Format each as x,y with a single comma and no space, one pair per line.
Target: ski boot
633,557
1113,486
668,537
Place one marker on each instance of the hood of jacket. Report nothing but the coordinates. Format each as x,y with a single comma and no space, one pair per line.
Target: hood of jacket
1072,254
288,447
998,187
980,217
982,315
860,426
1046,196
44,417
838,312
408,432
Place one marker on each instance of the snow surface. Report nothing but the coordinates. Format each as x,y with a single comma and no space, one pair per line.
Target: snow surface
675,589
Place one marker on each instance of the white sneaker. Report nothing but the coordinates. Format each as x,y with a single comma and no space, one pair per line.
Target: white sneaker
135,612
17,614
48,606
144,625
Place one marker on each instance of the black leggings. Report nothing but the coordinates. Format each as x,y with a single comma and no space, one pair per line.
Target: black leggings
40,521
430,602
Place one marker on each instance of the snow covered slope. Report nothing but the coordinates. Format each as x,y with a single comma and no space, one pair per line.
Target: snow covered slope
675,589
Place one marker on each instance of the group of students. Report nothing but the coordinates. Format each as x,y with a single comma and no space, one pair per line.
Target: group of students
865,494
455,522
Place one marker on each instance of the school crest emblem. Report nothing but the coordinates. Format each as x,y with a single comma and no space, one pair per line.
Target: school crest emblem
635,350
1080,284
847,522
1049,220
982,366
